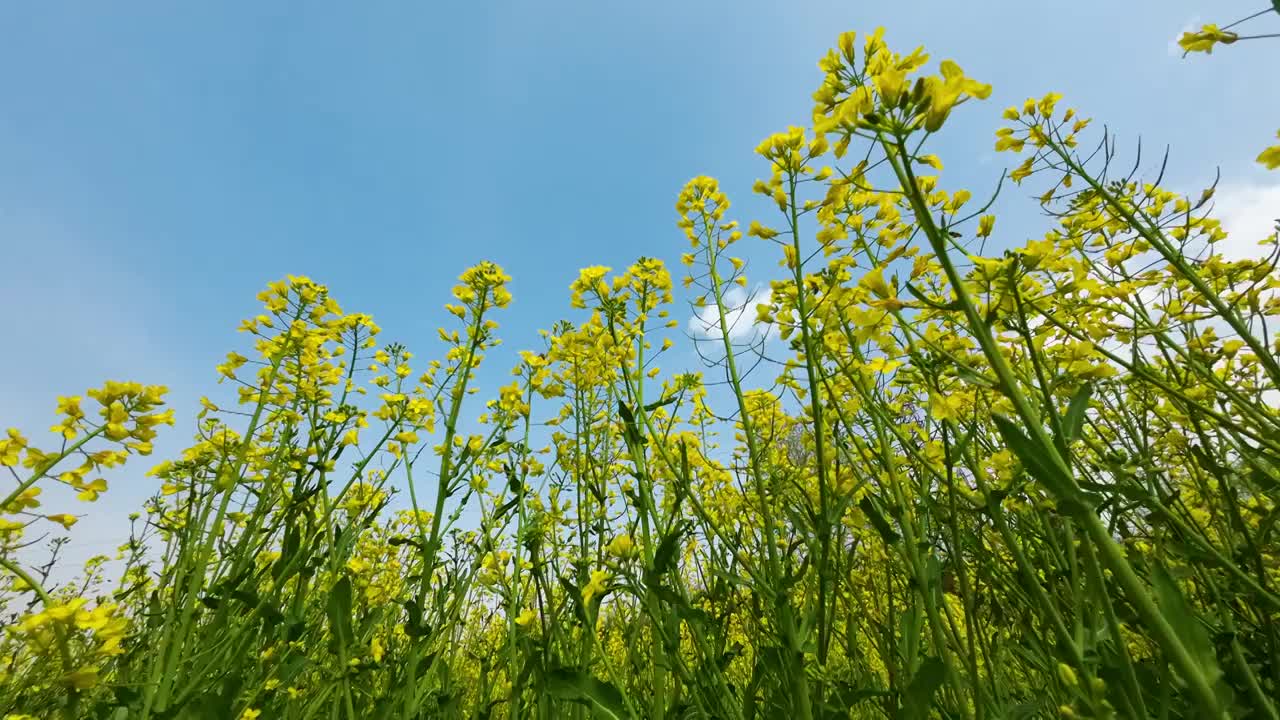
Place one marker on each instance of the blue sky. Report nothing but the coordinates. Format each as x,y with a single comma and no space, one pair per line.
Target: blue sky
160,162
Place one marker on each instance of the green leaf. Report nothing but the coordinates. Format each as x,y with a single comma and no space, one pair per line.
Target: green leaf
1176,609
1267,523
339,610
974,377
506,507
269,613
604,699
633,436
126,695
845,696
1074,422
1265,481
288,550
413,621
665,555
887,533
918,697
682,608
962,444
933,572
954,305
292,667
771,659
661,403
1035,460
909,624
575,597
1025,711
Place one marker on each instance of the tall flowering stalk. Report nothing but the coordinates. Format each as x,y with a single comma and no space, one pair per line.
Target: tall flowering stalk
926,481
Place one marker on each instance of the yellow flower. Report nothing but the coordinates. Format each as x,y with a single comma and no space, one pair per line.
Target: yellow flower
755,229
10,448
63,519
986,224
945,92
526,617
26,500
233,363
1047,103
1205,38
597,586
890,84
61,613
70,406
947,406
622,546
250,714
90,492
82,679
1022,171
1270,158
10,526
874,281
589,280
96,619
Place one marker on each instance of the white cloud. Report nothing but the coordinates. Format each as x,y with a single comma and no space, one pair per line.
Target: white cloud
740,316
1248,213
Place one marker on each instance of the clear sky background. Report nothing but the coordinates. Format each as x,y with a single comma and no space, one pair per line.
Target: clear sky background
160,161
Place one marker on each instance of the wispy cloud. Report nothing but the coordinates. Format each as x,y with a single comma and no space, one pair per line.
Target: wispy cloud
740,317
1248,213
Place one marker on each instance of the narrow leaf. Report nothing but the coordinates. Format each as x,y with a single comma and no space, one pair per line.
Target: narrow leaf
1074,422
886,531
918,698
661,403
1176,609
339,611
1034,459
603,698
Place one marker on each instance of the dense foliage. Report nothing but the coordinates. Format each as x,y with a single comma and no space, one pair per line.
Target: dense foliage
944,484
